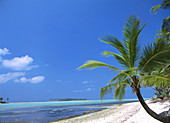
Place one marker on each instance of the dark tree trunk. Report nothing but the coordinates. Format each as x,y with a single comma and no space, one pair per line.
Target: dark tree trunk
161,98
149,111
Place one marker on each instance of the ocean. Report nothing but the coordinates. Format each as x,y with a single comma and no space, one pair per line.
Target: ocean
44,112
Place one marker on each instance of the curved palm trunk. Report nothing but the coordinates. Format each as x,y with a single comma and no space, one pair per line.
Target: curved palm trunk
149,111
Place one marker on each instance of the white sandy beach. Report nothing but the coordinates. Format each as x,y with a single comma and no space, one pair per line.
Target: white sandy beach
126,113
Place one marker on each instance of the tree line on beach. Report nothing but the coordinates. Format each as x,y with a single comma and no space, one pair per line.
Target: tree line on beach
66,99
147,67
2,100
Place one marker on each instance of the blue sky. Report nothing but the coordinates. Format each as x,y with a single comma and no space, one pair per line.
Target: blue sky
43,42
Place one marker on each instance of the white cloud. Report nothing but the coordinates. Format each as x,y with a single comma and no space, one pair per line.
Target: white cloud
10,76
86,82
19,63
90,89
4,51
36,79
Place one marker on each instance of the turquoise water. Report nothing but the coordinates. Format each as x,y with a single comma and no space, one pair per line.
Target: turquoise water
60,103
42,112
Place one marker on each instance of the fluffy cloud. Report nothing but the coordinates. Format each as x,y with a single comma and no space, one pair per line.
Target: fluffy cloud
19,63
36,79
10,76
4,51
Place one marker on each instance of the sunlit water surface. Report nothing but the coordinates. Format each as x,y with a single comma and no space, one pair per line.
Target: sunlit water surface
42,112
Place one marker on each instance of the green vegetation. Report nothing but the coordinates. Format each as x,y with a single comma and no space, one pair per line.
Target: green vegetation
162,93
162,90
165,4
66,99
1,100
137,66
163,35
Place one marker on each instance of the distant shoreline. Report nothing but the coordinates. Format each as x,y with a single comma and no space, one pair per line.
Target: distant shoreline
3,102
66,99
21,102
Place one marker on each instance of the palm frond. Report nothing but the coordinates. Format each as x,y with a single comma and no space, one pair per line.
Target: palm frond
120,90
118,57
164,69
166,24
154,56
155,9
117,78
91,64
106,90
119,87
165,4
123,74
127,81
154,80
164,33
112,40
130,72
131,33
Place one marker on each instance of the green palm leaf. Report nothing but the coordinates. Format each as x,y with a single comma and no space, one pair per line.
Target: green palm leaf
127,81
106,90
112,40
91,64
131,33
123,74
164,4
119,88
117,78
155,9
154,80
119,58
154,56
120,91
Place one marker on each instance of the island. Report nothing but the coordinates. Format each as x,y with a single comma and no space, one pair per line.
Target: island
1,100
66,99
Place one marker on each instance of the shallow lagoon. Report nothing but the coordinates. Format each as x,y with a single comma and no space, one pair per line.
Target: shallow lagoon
41,112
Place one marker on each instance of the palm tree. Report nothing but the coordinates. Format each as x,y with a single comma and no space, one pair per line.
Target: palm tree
137,66
164,33
162,90
165,4
1,98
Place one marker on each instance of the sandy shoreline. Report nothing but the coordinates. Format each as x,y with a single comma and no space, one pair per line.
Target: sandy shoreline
126,113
